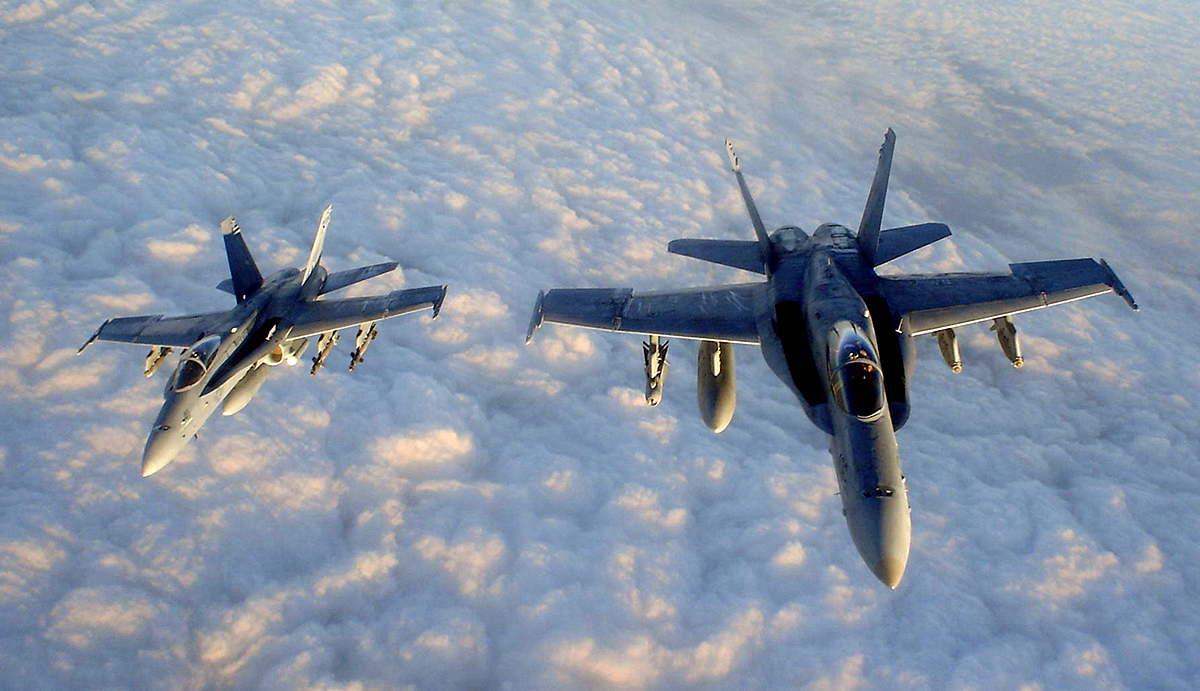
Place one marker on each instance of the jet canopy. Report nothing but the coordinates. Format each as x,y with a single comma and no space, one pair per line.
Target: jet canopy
195,363
856,380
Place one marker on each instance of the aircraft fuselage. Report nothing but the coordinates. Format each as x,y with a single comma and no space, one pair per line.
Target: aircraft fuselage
818,336
256,329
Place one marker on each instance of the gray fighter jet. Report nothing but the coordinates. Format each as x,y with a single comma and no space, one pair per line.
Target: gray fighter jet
837,333
227,355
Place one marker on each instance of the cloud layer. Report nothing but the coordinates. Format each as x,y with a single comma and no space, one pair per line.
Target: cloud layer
465,512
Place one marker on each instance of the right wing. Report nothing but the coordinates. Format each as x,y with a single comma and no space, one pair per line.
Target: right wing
155,330
924,304
320,316
717,313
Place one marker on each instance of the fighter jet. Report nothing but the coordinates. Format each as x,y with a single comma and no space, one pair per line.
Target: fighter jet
837,333
227,355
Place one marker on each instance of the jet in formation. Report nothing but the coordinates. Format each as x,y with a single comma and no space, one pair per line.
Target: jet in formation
837,333
227,355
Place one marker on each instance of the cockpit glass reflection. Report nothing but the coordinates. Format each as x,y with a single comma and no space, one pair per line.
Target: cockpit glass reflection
856,382
195,363
858,388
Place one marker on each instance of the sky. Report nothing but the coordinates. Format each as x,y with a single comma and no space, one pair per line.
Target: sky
466,512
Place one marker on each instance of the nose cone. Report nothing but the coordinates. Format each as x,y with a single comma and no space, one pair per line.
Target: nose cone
889,570
161,449
882,531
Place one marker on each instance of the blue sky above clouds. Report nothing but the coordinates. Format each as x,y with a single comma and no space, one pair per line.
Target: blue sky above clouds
466,512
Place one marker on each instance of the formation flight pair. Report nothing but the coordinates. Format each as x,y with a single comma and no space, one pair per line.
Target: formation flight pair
838,334
226,356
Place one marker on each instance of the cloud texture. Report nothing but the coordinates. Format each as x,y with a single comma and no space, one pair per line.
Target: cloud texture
464,512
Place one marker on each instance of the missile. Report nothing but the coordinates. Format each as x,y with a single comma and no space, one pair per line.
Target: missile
948,344
362,340
657,367
155,359
1006,333
324,345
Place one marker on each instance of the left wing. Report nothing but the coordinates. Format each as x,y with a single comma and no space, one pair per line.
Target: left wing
320,316
928,303
717,313
155,330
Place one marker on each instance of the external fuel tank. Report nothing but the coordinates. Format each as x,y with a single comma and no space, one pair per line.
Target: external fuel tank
716,384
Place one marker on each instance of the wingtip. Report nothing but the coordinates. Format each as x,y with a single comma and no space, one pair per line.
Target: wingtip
1119,287
92,339
733,159
538,317
229,226
437,304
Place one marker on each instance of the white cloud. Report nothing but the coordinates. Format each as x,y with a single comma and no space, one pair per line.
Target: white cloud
464,511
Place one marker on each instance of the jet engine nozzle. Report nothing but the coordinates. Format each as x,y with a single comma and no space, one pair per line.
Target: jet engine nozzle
948,344
1006,333
716,384
655,353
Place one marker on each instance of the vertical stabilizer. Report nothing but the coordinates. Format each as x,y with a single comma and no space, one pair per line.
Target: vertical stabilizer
872,218
759,229
242,269
318,246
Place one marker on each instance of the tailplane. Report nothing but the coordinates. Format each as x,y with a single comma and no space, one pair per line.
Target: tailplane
244,273
872,218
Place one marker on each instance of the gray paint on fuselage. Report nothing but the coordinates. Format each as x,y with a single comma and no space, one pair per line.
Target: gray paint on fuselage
246,339
825,275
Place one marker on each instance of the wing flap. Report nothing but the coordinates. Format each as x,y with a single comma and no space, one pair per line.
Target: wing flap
719,313
931,303
321,316
740,254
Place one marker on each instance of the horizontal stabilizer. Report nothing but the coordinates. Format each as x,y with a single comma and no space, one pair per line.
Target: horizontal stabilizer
740,254
227,286
897,242
342,279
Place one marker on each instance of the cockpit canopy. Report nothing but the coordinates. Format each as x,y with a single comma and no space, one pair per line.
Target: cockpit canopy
195,363
856,380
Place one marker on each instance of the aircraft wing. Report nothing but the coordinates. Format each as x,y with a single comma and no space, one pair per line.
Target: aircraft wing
717,313
927,303
320,316
156,330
